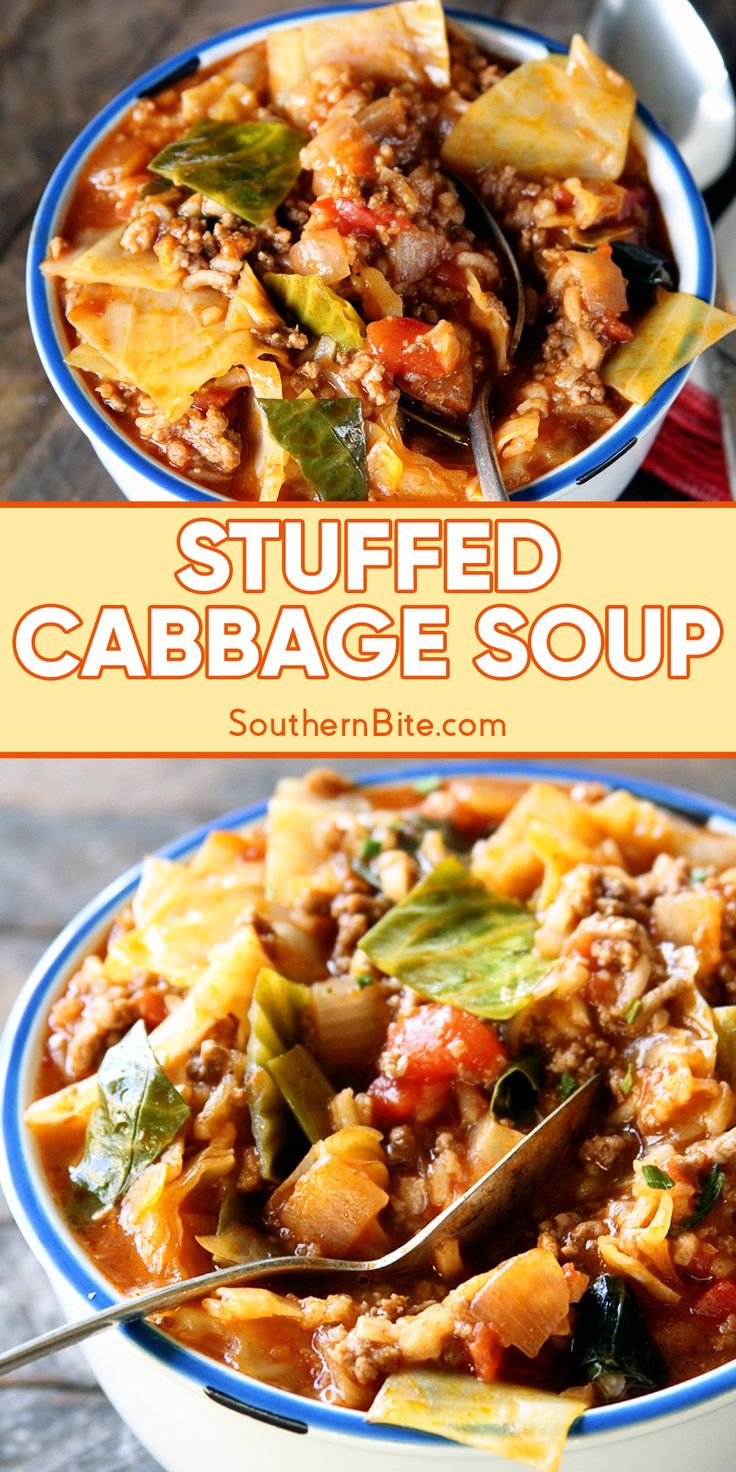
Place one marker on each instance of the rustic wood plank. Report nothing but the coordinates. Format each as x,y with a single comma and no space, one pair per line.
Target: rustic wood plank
59,1429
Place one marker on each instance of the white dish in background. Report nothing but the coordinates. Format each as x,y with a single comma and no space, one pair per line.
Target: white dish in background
599,473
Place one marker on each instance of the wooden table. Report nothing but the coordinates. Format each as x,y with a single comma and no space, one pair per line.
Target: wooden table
66,829
59,63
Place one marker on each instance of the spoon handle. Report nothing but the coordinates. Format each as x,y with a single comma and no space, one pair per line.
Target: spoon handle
160,1299
484,449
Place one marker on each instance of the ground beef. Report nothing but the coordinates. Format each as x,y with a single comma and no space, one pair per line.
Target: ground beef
96,1012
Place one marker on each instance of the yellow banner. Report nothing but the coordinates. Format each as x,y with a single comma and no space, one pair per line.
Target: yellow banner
345,630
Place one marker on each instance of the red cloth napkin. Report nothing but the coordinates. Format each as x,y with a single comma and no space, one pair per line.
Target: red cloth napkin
688,452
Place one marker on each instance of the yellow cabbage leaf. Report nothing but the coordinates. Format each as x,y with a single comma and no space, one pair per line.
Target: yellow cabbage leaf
395,43
105,263
159,340
151,1210
293,847
508,1421
250,306
182,912
88,360
676,329
559,116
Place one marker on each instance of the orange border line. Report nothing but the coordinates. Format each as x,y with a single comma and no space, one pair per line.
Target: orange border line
487,753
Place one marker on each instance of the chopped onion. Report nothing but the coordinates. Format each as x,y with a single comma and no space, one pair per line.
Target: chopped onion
525,1300
350,1022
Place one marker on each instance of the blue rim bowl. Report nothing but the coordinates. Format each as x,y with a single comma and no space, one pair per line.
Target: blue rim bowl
99,426
35,1212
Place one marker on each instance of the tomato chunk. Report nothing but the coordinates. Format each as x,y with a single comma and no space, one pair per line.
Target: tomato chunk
351,218
718,1302
399,1100
486,1353
442,1042
407,346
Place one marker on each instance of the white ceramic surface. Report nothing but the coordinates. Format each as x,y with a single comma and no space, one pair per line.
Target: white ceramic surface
600,473
160,1389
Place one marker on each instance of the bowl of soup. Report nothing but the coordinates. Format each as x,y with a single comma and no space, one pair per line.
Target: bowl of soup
309,1027
258,274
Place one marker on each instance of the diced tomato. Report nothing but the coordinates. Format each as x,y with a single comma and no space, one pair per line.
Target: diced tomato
397,341
212,397
486,1353
563,196
399,1100
718,1302
442,1042
351,218
616,330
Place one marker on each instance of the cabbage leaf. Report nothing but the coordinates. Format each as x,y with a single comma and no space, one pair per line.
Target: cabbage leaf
247,167
509,1421
725,1021
676,329
226,987
138,1115
327,439
159,341
562,116
453,940
318,308
293,850
105,263
250,306
181,911
274,1018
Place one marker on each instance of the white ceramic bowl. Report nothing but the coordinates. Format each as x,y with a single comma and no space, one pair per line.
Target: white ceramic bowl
192,1413
599,473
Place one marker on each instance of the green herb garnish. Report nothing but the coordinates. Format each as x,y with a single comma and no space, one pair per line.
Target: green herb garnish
627,1082
326,437
708,1195
633,1011
566,1085
247,167
656,1178
138,1115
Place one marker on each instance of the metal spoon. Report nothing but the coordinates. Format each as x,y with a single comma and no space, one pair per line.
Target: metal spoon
480,431
667,51
496,1196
